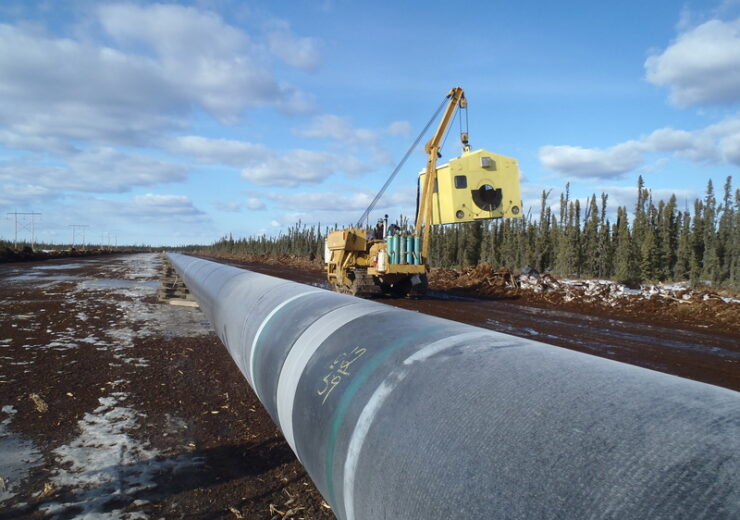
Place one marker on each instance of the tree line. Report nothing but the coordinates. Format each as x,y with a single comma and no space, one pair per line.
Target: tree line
699,244
299,240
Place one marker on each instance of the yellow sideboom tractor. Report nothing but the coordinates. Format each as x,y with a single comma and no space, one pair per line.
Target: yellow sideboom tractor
477,185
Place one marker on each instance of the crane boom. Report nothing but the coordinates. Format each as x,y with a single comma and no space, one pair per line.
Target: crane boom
457,99
476,185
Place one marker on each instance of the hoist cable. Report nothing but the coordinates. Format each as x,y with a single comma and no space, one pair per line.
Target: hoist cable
398,167
447,133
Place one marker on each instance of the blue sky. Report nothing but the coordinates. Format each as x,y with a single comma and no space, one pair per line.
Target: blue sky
175,123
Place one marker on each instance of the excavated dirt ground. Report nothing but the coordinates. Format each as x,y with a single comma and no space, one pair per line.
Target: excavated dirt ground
113,404
116,405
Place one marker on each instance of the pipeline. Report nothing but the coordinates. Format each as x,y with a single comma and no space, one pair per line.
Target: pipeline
400,415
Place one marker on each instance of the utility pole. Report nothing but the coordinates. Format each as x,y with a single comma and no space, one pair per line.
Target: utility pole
24,226
74,229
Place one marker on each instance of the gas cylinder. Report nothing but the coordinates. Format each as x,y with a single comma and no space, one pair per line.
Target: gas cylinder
382,261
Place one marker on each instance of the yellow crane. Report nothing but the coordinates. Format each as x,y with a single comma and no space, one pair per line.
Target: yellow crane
477,185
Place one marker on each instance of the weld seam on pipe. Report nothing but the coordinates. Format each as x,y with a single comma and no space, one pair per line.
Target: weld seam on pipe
376,401
261,329
303,349
352,389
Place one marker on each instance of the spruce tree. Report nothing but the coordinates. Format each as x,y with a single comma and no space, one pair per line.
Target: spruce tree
697,243
682,267
591,251
624,260
724,232
710,261
668,233
474,238
640,222
734,249
648,255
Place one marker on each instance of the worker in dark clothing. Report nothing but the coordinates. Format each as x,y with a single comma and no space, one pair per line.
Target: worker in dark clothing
378,232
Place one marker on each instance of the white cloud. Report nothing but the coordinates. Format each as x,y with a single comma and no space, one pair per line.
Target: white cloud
294,168
731,149
399,128
339,128
696,146
213,62
299,52
300,168
716,143
229,206
264,166
330,126
162,62
23,195
38,143
254,203
218,151
100,170
702,66
324,201
342,201
363,141
592,162
177,208
121,102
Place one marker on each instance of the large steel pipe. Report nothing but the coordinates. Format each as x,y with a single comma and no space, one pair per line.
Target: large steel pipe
399,415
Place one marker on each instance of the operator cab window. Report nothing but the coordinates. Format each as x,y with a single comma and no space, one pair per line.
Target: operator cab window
461,182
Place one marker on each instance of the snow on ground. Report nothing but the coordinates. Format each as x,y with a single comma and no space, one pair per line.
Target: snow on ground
613,292
105,466
17,456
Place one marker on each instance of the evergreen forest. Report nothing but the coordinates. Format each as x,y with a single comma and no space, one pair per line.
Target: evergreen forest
662,242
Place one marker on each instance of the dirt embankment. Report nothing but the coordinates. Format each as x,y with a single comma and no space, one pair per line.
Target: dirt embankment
678,304
291,261
29,255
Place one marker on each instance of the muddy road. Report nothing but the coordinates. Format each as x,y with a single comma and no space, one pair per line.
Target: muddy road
710,356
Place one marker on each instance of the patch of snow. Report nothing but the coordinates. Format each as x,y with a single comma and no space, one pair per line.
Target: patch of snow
53,267
17,457
104,468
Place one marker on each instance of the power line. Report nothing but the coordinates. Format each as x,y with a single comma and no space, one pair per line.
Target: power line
74,230
24,225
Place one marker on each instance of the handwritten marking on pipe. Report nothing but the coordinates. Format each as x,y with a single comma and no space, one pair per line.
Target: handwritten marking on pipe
338,369
353,387
304,348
